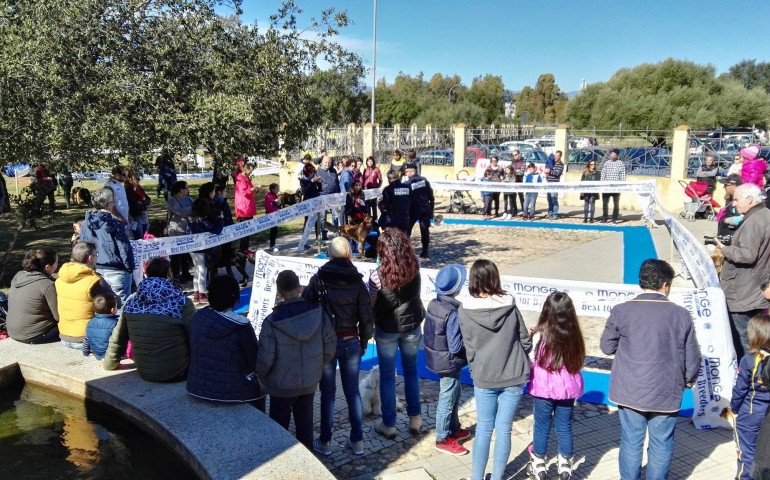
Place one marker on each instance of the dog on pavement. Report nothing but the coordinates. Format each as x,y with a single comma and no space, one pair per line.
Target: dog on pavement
369,386
357,233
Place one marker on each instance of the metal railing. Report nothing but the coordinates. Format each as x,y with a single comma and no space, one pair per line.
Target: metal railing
723,145
434,146
644,152
337,141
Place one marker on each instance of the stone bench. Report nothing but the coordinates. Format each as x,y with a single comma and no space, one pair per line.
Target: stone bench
216,441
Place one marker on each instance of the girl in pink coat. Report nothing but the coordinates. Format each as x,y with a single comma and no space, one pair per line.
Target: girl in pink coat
555,381
245,204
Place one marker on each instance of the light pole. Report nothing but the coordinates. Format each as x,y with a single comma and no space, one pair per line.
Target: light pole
450,91
374,58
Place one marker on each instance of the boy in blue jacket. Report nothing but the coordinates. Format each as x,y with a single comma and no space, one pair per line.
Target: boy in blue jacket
445,356
100,327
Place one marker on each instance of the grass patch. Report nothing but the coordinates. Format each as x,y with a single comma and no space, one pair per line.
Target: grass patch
55,233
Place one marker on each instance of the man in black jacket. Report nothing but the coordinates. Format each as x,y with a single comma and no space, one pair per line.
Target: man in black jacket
421,204
394,205
339,288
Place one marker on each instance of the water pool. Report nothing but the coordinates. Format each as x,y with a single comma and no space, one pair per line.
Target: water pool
47,435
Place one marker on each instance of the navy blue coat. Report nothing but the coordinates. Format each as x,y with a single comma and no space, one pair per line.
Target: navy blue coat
223,353
444,349
98,334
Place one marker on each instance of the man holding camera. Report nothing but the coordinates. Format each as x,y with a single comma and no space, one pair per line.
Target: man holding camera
747,262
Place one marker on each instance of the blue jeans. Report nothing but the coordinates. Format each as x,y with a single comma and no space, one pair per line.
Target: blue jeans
119,281
73,345
561,412
660,427
553,203
530,199
447,419
387,344
349,357
495,409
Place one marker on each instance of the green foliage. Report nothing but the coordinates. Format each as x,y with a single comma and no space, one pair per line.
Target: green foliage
83,78
752,74
27,208
341,95
545,103
663,95
413,100
487,92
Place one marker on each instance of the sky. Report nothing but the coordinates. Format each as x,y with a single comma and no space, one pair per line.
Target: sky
519,40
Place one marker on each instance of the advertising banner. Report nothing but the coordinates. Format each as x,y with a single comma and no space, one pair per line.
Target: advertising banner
706,306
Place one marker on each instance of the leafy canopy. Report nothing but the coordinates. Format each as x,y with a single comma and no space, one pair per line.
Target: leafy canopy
663,95
95,79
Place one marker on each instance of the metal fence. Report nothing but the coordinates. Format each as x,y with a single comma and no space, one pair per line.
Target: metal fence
724,146
434,146
644,152
337,141
499,141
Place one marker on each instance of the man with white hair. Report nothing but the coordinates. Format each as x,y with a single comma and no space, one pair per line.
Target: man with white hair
747,261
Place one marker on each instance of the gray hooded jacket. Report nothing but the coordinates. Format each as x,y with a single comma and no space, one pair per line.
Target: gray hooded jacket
496,341
295,342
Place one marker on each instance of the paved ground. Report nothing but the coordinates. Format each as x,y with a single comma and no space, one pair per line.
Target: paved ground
698,454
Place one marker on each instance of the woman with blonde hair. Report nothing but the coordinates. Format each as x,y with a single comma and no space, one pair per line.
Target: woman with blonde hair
394,289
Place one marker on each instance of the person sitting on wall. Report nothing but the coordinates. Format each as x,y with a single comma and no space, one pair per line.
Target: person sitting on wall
76,287
223,350
33,314
157,320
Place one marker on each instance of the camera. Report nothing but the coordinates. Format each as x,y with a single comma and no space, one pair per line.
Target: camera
725,239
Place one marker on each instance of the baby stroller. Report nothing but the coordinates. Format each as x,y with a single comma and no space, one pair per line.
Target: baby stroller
701,204
461,201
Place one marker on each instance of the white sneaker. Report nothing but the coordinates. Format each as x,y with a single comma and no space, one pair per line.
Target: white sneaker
324,448
507,216
276,249
357,447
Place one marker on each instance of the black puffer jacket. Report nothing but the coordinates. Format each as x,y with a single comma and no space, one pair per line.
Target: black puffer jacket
348,298
401,311
223,352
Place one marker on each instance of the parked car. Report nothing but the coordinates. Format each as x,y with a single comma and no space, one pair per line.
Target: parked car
520,145
475,152
436,157
579,158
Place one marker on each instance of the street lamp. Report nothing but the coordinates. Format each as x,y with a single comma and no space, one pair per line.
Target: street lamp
450,91
374,58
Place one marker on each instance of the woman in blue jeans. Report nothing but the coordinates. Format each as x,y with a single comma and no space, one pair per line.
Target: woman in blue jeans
394,289
496,344
339,288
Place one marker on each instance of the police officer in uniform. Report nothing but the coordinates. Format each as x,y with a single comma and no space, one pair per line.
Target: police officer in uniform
394,205
421,205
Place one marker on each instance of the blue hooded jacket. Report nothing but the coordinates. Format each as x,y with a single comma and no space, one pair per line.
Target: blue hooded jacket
111,239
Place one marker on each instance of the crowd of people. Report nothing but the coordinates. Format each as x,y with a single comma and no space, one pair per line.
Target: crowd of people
407,200
313,331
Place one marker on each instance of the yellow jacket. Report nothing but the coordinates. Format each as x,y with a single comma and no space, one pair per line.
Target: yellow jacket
76,307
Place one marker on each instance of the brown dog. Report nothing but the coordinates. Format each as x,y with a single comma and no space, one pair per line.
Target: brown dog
81,197
356,233
718,258
289,198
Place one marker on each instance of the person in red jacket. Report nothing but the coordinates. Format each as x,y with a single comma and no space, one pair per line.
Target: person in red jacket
272,205
372,178
245,204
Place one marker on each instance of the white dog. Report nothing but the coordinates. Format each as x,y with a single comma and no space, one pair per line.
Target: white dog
369,386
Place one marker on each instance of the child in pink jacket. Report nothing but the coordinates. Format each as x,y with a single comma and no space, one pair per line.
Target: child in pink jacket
555,381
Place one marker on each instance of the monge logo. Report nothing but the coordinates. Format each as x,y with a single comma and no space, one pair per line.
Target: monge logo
240,226
185,241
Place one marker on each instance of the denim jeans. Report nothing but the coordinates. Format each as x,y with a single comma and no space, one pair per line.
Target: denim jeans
349,357
553,203
739,322
387,344
560,411
119,281
606,205
201,272
447,419
281,410
530,199
73,345
495,409
589,207
660,427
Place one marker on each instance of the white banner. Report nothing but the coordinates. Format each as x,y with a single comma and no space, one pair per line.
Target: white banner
706,306
163,247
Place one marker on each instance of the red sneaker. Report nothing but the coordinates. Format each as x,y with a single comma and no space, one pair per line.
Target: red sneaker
450,446
463,434
204,299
